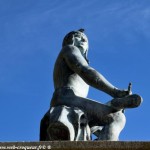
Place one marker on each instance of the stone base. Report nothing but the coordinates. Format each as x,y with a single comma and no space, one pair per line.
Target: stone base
85,145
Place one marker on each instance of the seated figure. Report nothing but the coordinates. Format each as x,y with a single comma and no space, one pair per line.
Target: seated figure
72,77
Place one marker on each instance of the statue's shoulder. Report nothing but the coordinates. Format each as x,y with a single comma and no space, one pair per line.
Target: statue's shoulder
70,49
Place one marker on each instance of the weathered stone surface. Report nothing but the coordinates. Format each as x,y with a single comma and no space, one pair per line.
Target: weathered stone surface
65,123
78,145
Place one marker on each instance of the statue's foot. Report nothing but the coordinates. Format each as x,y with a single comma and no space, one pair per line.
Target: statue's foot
130,101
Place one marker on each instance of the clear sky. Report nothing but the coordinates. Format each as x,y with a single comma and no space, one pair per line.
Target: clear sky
31,34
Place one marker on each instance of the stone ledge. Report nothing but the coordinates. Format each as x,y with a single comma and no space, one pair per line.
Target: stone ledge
85,145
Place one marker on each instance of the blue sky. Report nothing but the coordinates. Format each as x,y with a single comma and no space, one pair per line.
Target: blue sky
31,34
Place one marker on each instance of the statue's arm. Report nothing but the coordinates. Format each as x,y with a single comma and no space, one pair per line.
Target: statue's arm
78,64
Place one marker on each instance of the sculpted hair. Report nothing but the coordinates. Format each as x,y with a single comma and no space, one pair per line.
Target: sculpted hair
68,39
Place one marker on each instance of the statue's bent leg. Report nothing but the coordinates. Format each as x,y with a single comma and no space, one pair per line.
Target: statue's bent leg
130,101
112,131
98,114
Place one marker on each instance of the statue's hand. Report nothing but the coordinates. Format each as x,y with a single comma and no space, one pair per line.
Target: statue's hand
121,93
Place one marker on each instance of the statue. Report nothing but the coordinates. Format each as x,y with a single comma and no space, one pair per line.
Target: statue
72,116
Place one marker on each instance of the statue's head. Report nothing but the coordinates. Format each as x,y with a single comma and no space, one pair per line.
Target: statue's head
78,39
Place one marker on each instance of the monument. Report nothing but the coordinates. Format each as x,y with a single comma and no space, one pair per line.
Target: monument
74,117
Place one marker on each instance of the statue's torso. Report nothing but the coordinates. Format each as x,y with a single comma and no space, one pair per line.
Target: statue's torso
65,77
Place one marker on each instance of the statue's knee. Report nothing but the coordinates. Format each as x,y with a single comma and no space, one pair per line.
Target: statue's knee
119,118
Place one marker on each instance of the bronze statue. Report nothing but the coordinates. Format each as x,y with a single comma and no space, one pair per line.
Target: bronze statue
72,77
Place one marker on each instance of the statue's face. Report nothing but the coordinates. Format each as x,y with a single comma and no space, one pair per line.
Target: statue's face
81,41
